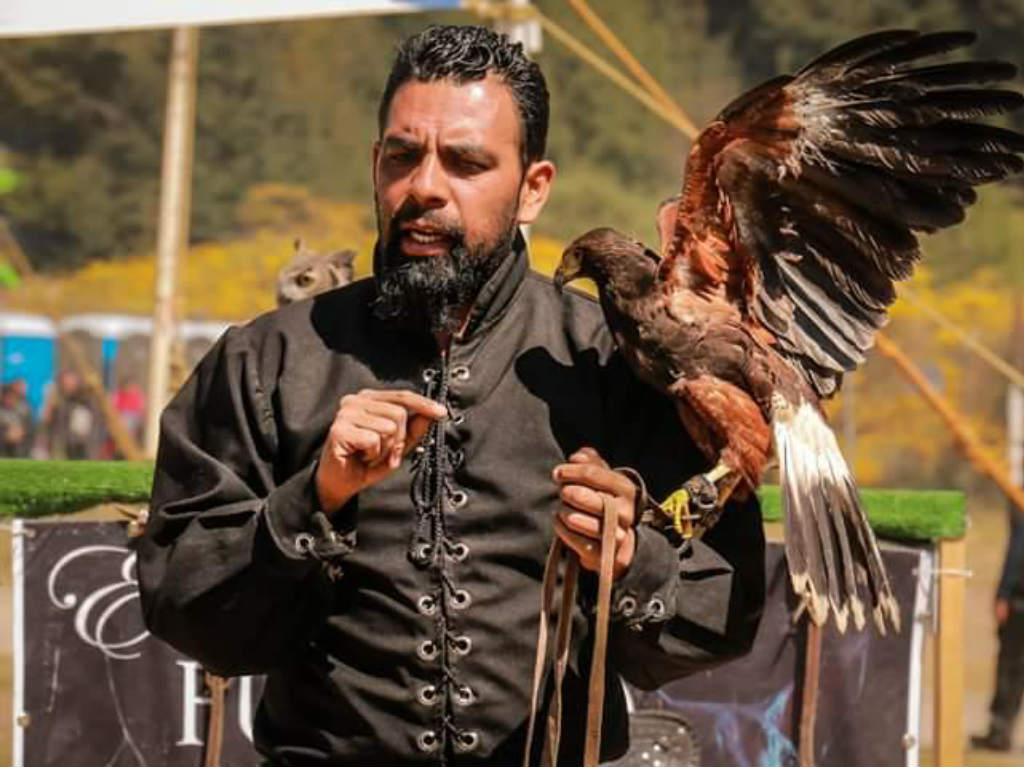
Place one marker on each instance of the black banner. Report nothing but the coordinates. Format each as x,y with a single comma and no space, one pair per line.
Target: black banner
92,687
748,712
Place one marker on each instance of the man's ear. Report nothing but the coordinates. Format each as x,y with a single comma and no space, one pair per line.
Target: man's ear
536,187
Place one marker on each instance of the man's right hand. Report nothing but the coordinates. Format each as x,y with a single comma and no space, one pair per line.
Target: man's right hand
371,432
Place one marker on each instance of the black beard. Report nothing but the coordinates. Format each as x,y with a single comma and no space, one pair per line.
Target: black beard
430,292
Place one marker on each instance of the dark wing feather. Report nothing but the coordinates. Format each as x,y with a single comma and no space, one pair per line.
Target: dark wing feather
819,182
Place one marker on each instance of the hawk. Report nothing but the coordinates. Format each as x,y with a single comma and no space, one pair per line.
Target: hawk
799,212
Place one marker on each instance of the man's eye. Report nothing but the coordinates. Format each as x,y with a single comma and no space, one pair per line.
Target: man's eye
471,166
402,158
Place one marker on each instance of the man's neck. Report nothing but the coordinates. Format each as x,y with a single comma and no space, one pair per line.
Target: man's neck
444,340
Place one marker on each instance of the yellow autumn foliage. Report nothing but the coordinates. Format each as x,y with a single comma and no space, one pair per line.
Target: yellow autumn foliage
233,279
897,440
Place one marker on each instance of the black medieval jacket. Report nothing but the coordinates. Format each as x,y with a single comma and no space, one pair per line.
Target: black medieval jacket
422,650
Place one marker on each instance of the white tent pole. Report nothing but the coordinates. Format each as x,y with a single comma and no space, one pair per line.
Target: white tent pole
173,225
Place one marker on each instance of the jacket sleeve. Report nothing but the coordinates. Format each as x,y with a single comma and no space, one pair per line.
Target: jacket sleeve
225,568
680,609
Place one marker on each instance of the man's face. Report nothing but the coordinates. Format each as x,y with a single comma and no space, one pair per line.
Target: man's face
450,189
448,165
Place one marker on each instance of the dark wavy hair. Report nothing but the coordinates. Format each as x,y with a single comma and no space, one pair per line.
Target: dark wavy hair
464,54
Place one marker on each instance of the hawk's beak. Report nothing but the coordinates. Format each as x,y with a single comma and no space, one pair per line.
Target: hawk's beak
564,274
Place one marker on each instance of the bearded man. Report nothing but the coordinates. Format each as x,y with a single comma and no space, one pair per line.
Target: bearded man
355,494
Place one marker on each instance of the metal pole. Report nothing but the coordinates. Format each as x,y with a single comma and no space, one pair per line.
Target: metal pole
175,206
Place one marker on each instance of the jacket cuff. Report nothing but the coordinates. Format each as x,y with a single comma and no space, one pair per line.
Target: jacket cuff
301,530
648,587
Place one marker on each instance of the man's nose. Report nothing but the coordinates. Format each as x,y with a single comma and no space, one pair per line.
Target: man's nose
429,186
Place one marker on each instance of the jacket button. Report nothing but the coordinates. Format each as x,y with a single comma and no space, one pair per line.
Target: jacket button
460,373
426,604
466,741
427,741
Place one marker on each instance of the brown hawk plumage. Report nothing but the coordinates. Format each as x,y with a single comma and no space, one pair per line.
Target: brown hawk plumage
778,260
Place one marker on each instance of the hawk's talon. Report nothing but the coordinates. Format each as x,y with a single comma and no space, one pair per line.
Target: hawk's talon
703,492
677,508
694,505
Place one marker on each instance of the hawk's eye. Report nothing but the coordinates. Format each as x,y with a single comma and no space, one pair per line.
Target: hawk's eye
304,280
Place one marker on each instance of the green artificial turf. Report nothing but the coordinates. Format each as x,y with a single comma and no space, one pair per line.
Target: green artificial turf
36,488
924,515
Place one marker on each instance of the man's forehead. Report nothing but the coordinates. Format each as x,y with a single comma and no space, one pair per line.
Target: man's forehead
478,111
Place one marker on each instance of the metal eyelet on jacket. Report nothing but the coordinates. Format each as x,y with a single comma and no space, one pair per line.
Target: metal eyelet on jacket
422,552
457,457
460,373
427,650
464,696
461,599
656,608
627,605
426,604
458,419
462,644
429,374
427,741
466,741
459,499
304,543
459,552
427,695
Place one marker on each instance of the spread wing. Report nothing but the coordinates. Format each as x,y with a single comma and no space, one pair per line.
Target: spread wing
803,197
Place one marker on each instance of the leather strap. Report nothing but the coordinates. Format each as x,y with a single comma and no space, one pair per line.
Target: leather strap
595,697
217,685
547,598
563,637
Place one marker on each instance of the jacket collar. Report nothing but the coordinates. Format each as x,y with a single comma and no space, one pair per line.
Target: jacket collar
497,293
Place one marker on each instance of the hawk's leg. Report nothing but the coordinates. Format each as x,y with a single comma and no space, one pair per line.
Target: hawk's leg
701,498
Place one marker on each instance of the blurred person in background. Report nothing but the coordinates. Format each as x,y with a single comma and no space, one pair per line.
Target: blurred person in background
15,421
130,403
1009,613
71,420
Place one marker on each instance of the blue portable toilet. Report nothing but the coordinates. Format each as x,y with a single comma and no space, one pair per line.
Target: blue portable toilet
109,332
27,350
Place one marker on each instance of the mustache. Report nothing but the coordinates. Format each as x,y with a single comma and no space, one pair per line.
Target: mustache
411,211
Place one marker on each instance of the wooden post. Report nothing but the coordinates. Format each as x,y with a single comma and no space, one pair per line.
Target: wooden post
949,654
175,207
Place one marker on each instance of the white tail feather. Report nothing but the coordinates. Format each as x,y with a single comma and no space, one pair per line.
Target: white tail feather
832,553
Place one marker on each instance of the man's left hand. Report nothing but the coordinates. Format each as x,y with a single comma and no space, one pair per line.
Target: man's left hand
587,484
